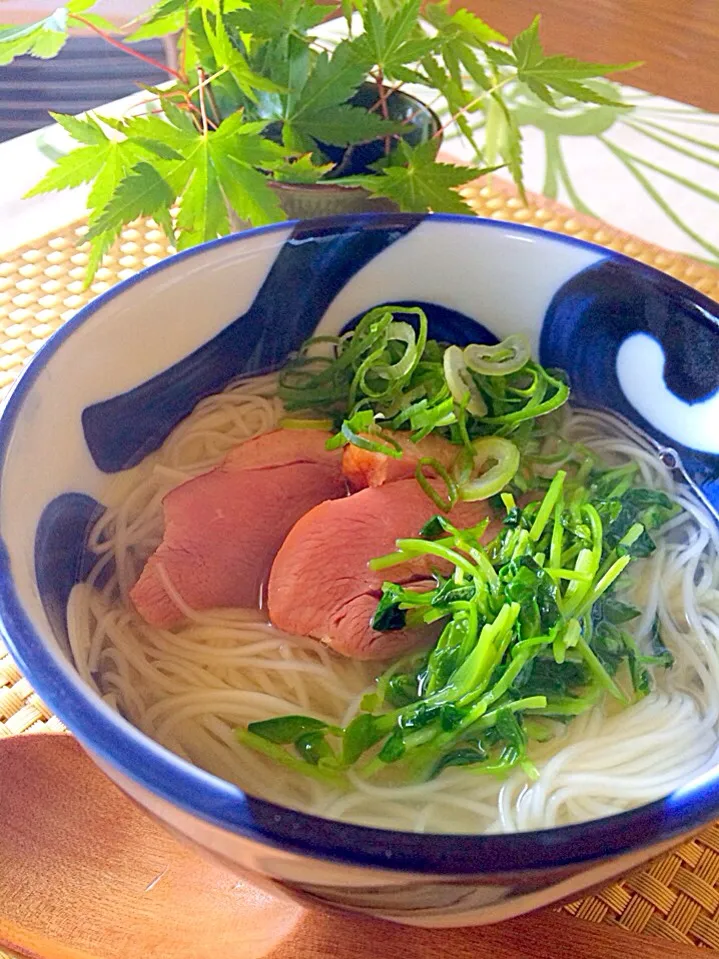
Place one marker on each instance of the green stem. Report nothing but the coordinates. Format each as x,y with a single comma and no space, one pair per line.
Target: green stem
551,498
599,672
108,38
472,103
279,754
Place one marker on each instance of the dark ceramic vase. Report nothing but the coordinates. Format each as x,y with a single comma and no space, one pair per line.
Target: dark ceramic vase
302,201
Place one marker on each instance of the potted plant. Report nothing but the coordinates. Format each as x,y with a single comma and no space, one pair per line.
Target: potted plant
263,119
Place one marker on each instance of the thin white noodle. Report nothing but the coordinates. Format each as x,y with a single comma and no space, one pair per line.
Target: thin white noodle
190,687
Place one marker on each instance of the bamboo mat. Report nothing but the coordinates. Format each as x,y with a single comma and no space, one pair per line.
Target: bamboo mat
675,897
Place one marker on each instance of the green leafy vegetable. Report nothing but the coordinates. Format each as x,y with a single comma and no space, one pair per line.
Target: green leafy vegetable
286,729
533,634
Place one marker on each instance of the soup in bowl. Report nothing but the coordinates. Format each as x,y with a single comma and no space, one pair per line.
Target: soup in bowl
377,556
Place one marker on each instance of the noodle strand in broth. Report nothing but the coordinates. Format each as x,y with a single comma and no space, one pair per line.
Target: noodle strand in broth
188,688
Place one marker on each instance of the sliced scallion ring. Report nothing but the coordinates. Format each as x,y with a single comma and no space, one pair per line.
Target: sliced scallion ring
401,333
460,382
444,504
506,357
506,457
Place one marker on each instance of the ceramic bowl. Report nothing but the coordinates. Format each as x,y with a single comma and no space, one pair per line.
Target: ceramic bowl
112,383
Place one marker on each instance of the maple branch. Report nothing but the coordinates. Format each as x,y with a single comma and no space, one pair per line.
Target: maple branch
183,41
213,103
205,84
468,106
183,102
201,92
423,106
381,93
395,89
125,47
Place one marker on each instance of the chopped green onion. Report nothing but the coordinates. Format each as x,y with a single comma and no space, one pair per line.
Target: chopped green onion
390,446
444,504
506,357
460,382
506,456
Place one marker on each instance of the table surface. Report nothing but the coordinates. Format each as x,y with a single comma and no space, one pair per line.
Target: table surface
678,40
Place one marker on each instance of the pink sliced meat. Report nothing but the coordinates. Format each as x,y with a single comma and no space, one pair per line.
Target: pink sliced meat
365,468
223,528
320,584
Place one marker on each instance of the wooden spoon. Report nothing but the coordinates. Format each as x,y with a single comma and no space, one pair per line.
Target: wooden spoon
85,874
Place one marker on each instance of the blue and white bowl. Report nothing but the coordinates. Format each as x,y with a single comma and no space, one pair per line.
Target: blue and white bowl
109,387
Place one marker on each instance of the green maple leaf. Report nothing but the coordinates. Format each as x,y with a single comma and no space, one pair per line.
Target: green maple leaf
101,159
278,19
247,191
509,143
393,43
460,35
72,169
216,168
142,192
302,170
106,163
162,19
564,75
333,80
226,55
475,29
459,100
468,58
43,39
208,45
319,111
462,25
83,129
203,214
421,183
340,125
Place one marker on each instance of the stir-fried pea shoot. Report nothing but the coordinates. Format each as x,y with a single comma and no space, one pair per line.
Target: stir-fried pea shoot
386,375
532,633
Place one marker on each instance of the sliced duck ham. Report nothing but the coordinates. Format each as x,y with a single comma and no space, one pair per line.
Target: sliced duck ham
223,528
364,468
321,586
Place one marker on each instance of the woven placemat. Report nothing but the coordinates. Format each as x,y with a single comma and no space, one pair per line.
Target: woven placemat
675,897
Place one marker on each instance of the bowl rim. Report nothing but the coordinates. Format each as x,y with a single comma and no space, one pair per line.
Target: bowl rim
109,736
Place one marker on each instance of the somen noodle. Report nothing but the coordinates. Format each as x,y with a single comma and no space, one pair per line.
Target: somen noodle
188,688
